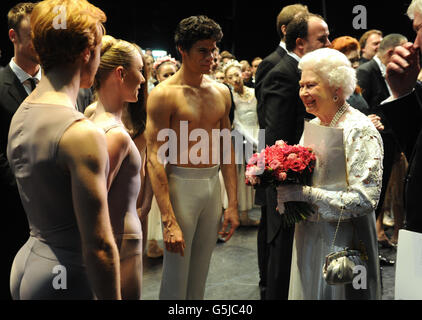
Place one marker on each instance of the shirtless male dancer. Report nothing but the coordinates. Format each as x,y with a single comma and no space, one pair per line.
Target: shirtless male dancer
187,192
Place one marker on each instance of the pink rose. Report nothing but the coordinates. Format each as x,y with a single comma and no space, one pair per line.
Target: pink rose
261,159
292,157
253,171
280,143
275,164
253,159
282,176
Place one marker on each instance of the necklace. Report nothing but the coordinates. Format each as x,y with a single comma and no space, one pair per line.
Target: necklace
338,115
245,96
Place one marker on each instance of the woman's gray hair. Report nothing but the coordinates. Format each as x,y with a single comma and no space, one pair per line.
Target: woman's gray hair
332,66
415,6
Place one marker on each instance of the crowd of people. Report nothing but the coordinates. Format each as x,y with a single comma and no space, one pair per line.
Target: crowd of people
90,124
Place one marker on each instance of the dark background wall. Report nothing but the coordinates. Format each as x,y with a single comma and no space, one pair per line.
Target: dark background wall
248,26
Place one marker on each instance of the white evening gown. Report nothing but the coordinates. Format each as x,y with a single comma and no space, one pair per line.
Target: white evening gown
246,122
313,237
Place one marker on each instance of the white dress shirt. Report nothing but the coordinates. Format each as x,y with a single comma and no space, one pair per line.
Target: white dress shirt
294,55
383,69
23,76
283,45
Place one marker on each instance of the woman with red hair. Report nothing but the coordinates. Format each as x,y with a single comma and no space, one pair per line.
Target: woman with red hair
350,47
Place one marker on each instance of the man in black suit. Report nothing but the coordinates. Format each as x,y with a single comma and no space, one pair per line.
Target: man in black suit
369,44
254,67
284,17
283,118
17,80
404,114
371,75
371,78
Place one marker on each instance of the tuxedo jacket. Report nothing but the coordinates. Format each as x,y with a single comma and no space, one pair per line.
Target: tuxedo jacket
405,118
363,60
16,230
12,93
263,69
374,90
283,118
370,79
84,99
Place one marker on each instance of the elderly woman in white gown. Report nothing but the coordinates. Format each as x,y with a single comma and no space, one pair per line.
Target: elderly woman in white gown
327,81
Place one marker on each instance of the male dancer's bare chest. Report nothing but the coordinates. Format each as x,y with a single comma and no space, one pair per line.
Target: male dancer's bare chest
195,122
201,109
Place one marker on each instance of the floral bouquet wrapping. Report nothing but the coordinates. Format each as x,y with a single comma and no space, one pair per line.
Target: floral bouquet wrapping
283,164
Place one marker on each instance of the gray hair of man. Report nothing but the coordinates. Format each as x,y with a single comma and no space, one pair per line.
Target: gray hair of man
415,6
332,66
390,42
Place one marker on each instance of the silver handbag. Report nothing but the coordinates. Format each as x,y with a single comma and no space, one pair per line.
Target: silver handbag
339,265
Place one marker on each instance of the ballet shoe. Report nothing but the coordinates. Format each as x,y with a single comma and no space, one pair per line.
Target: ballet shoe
154,250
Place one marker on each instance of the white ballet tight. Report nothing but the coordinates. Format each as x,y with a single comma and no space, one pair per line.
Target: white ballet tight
196,199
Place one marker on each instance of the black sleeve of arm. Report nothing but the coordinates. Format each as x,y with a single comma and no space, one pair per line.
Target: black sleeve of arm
279,99
404,115
364,81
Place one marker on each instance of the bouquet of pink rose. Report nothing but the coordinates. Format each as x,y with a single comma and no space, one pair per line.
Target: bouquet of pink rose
283,164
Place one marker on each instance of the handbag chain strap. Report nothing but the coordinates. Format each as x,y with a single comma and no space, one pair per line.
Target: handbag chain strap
342,207
362,249
338,225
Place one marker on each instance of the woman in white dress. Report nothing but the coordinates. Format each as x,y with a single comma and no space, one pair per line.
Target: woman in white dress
246,123
327,81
